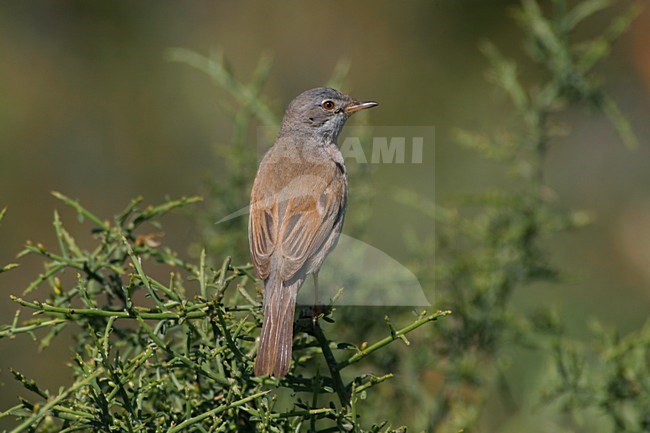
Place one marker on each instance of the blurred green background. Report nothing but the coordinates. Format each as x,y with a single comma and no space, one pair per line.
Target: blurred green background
90,107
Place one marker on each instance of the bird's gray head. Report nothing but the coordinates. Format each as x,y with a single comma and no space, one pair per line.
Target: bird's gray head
320,113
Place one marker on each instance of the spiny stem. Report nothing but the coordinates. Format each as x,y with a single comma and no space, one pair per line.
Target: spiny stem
188,422
29,328
80,209
198,311
182,358
45,409
332,365
394,336
372,382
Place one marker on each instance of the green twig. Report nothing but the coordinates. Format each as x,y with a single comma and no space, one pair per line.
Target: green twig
46,408
196,419
182,358
394,336
80,209
332,365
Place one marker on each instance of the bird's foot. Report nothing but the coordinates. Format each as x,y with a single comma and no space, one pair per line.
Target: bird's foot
317,311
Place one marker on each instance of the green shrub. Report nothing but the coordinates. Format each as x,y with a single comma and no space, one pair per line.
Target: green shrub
164,344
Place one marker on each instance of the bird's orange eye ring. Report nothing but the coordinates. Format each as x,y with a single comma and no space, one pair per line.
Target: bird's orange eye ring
328,104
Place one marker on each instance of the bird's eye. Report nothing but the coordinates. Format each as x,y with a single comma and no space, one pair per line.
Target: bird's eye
328,104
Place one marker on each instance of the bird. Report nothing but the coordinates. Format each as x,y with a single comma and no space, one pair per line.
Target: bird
298,203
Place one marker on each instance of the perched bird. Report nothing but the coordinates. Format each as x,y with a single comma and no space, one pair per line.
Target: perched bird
297,209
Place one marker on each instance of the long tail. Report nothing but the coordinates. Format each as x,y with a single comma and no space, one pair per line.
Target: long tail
274,353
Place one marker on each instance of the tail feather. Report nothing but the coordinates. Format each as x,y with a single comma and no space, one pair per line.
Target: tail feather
274,353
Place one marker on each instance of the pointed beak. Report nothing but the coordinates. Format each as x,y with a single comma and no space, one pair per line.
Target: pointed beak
356,106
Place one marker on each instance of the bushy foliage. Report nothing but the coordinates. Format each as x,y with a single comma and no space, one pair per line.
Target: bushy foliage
173,356
176,355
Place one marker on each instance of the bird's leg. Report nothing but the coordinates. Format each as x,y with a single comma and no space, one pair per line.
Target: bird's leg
317,306
316,297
